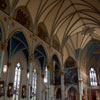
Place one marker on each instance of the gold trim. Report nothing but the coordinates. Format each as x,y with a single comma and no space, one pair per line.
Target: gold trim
62,73
80,81
3,46
31,59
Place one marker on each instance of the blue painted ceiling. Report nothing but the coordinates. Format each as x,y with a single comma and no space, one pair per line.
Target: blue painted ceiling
16,43
55,58
41,55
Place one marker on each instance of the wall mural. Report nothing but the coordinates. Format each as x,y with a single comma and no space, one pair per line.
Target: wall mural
23,18
71,73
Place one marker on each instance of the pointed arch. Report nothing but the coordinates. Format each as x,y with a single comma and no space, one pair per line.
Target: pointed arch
56,74
70,62
58,94
41,55
18,42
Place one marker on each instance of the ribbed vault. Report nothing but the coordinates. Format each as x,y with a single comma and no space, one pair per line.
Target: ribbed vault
66,19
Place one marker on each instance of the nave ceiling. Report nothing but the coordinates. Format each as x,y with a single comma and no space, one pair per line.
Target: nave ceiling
73,23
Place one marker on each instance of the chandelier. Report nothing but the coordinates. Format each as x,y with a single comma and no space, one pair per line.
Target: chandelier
88,30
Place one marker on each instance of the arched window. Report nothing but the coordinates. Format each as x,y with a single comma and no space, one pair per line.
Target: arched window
46,75
17,82
93,77
34,84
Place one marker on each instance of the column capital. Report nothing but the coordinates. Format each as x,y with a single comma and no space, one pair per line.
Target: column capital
31,59
62,73
3,46
80,80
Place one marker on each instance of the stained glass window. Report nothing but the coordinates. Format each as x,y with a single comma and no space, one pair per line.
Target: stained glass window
46,75
17,82
93,77
34,85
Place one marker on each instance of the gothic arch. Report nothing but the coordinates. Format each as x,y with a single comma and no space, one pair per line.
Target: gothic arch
41,55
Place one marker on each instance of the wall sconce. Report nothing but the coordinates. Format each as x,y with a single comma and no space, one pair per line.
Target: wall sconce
2,89
24,91
4,68
27,75
10,90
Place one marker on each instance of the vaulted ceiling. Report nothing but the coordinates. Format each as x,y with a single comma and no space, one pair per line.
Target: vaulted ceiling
65,19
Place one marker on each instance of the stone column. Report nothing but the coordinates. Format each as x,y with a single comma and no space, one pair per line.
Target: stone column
48,67
3,48
30,79
80,83
62,85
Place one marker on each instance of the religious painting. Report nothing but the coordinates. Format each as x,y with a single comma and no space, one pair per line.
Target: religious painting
71,76
22,16
70,72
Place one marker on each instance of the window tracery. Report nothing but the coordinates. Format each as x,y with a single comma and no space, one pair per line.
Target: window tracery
93,77
34,84
17,82
46,75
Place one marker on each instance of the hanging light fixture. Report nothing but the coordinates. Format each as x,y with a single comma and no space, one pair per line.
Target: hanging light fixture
88,30
4,68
